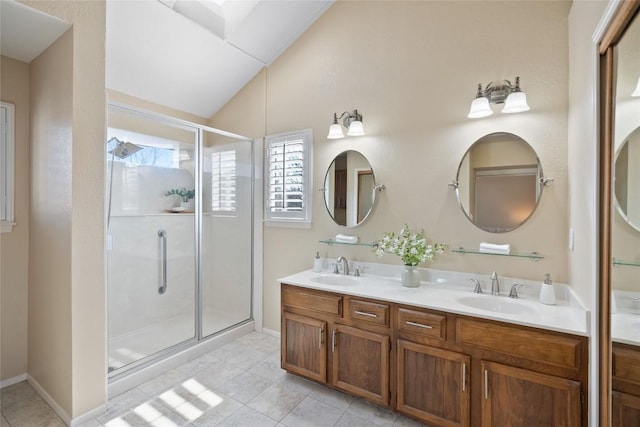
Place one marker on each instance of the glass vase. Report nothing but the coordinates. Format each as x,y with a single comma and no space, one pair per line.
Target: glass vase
410,276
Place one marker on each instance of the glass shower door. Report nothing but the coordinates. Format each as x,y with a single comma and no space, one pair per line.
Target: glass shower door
227,233
151,267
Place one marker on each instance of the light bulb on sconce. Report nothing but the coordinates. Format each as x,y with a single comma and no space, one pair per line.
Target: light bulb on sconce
480,106
514,100
352,121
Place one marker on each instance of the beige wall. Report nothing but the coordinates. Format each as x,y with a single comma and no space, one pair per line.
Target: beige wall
50,220
124,99
66,255
583,146
14,246
586,22
411,69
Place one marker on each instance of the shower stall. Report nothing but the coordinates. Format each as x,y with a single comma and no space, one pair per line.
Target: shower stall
179,235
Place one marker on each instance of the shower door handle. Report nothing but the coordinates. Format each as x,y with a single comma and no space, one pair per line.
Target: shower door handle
162,234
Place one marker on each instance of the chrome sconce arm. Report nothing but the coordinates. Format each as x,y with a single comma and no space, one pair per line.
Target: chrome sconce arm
507,93
454,185
352,121
376,188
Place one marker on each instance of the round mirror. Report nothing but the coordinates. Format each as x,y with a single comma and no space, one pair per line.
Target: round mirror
499,182
627,179
349,189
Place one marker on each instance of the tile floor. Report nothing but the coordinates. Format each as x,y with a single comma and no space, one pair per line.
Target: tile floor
239,384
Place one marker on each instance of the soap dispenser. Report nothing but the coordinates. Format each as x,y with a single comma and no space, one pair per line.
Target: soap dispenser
547,292
317,263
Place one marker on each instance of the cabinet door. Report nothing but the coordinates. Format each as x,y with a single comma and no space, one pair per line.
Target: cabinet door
433,384
304,346
625,410
360,362
519,397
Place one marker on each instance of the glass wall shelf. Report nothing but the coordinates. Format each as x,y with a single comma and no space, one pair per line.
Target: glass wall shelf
533,256
618,262
335,242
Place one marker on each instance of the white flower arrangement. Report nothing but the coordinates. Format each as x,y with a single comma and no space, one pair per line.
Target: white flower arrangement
412,248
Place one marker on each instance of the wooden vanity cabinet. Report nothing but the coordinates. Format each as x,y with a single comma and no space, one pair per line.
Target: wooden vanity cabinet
433,384
440,368
305,319
625,379
520,397
360,353
304,343
360,363
337,340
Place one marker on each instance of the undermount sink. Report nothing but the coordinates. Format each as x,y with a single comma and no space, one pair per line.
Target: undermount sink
495,304
335,280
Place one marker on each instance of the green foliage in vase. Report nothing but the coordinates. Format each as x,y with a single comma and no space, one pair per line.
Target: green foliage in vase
185,194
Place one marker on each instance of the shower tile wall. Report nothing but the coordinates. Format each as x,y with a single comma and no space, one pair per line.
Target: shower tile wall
141,320
140,189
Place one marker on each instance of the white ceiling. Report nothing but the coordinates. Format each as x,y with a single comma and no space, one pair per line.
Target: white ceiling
195,55
17,38
191,55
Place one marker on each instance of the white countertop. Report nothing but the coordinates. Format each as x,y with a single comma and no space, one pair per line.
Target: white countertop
625,317
450,294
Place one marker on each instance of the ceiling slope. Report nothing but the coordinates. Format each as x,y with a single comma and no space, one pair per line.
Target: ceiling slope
156,53
18,40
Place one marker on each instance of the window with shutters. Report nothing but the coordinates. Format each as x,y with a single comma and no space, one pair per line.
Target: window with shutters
223,181
288,178
6,166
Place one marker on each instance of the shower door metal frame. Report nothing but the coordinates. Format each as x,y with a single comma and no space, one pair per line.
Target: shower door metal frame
198,338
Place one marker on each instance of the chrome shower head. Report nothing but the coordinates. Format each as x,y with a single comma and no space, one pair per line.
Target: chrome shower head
122,150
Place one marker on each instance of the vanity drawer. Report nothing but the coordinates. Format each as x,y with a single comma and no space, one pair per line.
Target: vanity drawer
308,300
419,322
541,347
626,365
367,311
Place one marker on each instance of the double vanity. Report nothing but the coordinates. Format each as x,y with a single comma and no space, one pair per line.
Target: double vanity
439,353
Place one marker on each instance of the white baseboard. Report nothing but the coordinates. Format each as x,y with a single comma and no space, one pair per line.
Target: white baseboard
88,416
13,380
47,398
271,332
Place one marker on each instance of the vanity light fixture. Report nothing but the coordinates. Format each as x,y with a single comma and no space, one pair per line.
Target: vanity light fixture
636,92
514,100
352,121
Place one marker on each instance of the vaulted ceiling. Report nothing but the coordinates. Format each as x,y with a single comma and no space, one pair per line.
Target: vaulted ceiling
190,55
195,55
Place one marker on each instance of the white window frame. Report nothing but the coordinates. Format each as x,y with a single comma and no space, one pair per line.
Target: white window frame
220,211
300,219
7,149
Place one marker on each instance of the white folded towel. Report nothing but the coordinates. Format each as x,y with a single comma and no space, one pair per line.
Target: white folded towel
345,238
492,248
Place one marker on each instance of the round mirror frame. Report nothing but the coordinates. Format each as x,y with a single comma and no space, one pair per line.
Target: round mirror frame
374,190
623,214
539,180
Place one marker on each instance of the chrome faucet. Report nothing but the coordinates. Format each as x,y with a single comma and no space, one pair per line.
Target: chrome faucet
478,288
345,265
495,284
513,293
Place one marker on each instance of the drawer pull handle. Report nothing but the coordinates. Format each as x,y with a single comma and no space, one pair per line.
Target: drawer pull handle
333,341
486,385
464,376
419,325
364,313
320,331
